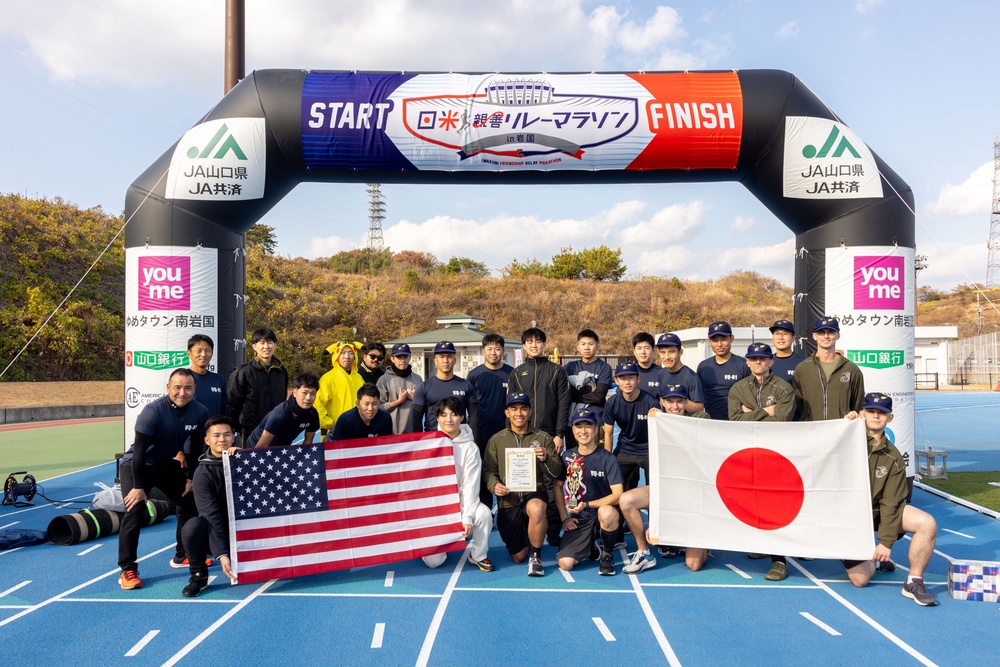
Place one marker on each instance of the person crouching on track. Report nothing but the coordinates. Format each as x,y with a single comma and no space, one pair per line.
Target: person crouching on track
521,515
592,484
210,529
477,520
893,517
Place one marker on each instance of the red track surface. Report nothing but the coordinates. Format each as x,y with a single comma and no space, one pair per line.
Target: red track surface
61,422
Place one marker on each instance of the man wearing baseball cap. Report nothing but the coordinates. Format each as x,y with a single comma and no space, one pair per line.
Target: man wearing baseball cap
673,400
521,517
673,370
720,372
893,517
628,408
827,385
763,397
587,496
443,383
783,344
397,387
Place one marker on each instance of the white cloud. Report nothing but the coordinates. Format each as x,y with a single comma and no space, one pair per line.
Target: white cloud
790,29
867,5
324,246
743,223
180,42
678,222
950,264
972,196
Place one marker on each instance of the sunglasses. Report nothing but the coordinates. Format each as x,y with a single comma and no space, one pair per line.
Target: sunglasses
376,357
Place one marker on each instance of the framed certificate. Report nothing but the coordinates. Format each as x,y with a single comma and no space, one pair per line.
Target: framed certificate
521,470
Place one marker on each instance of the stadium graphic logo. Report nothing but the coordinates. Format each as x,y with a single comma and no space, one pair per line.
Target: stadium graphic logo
164,283
876,358
879,283
230,144
520,119
219,160
809,151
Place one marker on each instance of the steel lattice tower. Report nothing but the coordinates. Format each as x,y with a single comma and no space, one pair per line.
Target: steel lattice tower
993,263
376,214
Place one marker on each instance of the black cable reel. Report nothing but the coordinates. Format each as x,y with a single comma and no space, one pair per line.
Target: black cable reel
12,489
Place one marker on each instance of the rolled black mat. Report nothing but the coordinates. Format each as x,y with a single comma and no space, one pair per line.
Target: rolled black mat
91,524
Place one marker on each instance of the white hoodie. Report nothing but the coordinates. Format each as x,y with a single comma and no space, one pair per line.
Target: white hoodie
468,469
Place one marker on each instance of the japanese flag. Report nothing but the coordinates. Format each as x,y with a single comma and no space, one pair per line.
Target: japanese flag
782,488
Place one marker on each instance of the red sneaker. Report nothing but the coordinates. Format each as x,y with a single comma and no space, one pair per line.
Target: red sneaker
129,579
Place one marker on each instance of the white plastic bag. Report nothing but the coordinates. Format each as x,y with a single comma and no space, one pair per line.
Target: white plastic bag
108,498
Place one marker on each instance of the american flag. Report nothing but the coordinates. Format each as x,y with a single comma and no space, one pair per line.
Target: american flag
306,509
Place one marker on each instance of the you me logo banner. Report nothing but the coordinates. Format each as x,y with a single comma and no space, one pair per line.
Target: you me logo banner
164,283
879,283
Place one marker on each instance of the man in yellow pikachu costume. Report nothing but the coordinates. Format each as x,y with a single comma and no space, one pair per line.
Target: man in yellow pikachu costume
338,388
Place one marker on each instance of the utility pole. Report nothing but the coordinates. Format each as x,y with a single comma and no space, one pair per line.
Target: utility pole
235,63
993,264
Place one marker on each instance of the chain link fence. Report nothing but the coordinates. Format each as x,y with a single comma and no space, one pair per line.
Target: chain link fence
974,360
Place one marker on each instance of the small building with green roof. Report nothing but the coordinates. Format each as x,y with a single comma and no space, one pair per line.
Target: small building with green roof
464,332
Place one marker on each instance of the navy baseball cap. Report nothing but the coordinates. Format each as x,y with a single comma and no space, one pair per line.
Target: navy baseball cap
876,401
825,322
518,397
783,324
759,350
399,350
444,347
719,329
626,368
584,415
674,391
668,340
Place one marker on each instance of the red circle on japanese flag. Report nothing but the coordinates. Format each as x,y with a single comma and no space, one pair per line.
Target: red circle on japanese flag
761,488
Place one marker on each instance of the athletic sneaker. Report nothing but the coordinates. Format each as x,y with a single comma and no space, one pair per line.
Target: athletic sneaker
607,568
183,564
916,591
485,565
638,562
129,579
670,552
535,567
885,566
778,571
195,585
756,556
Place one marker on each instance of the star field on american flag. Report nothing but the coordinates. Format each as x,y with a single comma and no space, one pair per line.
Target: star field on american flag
279,481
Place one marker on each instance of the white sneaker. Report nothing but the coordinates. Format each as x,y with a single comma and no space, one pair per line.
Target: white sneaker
535,567
638,562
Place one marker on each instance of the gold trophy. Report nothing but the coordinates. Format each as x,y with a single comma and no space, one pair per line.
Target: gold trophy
574,483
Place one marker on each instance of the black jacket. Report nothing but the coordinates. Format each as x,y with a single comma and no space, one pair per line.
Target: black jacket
547,385
253,391
209,488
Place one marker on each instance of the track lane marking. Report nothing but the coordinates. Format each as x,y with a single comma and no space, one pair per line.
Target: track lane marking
9,525
141,644
603,629
955,532
388,578
378,635
924,660
566,575
738,571
87,551
654,624
428,645
10,551
14,588
809,617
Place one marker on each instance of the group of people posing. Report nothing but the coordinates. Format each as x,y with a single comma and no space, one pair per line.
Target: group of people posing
586,487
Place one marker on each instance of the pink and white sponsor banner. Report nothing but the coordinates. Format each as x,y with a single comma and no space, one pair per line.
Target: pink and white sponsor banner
871,290
171,293
791,488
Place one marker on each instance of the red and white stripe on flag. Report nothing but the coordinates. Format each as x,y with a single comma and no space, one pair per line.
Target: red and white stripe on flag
783,488
380,500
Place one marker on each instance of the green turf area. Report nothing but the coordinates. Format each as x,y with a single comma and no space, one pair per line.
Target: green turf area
972,486
48,452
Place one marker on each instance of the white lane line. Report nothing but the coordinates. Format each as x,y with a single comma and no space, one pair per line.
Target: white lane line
14,588
738,571
770,587
608,637
907,537
211,578
378,635
388,578
354,595
151,600
87,551
654,625
924,660
141,644
967,407
45,506
218,624
56,598
566,575
428,645
10,551
513,589
9,525
819,623
955,532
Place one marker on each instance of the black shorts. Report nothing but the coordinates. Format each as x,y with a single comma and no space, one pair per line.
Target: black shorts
512,522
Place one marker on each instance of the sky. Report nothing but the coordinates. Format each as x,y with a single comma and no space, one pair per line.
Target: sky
93,93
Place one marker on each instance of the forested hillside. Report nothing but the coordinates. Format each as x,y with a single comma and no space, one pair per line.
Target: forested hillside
47,245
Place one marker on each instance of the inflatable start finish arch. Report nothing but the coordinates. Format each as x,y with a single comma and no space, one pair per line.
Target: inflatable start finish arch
851,214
